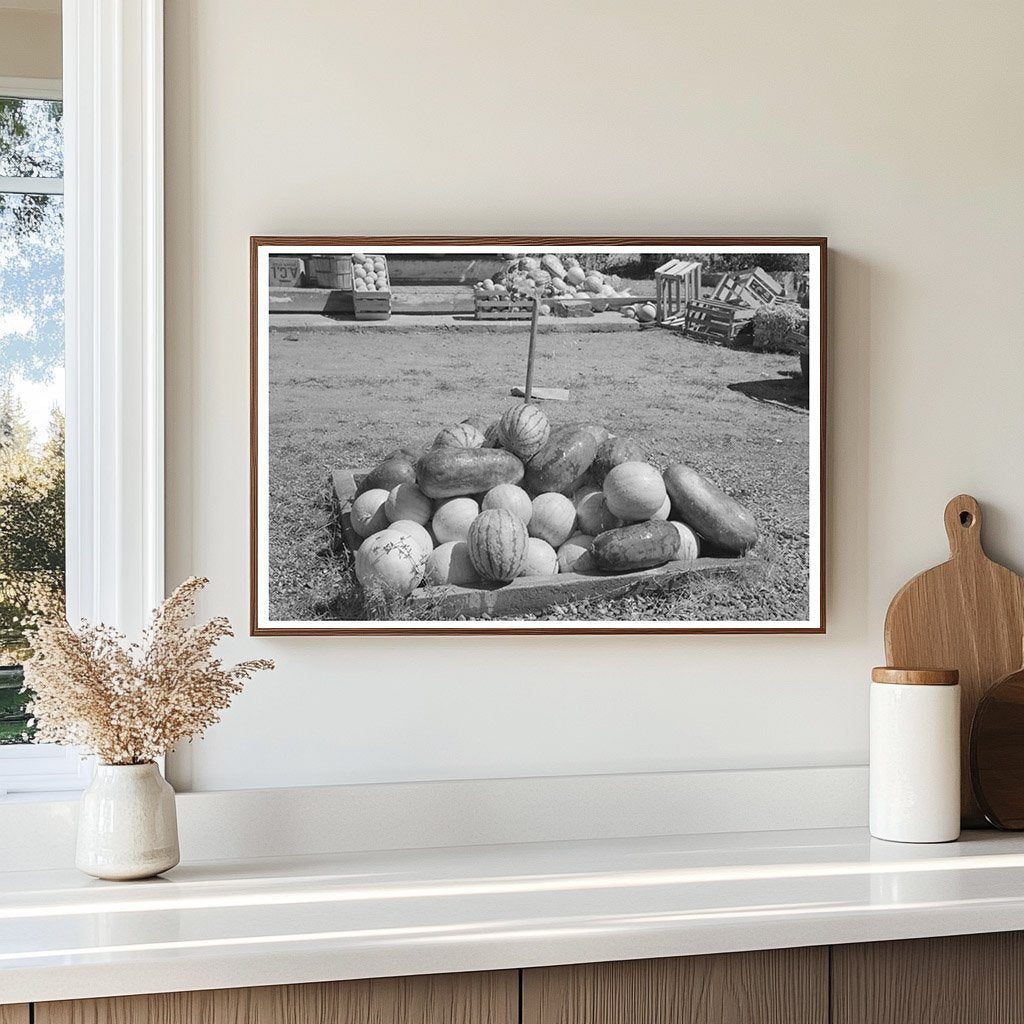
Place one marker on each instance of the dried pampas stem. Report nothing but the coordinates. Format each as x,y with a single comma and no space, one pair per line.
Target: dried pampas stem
129,703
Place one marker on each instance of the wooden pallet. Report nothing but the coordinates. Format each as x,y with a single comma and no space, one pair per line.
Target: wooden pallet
503,308
706,320
532,595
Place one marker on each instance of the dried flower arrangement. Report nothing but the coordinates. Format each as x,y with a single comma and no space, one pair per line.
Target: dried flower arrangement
130,703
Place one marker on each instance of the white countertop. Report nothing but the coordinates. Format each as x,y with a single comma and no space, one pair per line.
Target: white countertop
351,915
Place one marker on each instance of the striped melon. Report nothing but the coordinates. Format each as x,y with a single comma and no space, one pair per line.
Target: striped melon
509,496
553,519
524,430
459,435
575,275
634,491
541,558
491,439
453,518
497,545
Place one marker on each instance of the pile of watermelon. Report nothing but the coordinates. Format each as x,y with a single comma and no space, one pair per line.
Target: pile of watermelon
550,277
492,501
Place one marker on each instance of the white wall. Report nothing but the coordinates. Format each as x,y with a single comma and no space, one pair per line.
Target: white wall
895,129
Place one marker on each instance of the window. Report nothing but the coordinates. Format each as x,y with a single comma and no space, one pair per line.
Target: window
32,531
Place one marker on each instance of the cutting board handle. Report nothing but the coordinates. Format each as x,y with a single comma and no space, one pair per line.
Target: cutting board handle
963,527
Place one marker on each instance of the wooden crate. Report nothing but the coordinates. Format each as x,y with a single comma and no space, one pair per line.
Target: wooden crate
375,305
750,288
710,321
503,308
531,594
676,283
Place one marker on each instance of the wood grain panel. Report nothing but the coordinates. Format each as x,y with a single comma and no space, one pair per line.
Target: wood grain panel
14,1014
482,998
779,986
962,979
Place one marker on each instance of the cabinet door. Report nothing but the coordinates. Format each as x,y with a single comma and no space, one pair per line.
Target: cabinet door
490,998
779,986
962,979
14,1014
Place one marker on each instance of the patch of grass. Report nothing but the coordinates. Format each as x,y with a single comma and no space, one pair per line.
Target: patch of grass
671,395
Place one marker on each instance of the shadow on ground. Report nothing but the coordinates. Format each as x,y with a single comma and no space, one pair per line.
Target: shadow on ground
786,390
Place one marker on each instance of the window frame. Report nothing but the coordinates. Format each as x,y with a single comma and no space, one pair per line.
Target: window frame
112,90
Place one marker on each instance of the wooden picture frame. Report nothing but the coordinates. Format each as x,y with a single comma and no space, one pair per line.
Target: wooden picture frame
324,314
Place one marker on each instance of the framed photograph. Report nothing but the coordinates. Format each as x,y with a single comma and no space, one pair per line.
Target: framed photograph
537,435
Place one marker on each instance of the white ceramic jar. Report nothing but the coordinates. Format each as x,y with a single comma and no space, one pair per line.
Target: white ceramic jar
915,755
127,823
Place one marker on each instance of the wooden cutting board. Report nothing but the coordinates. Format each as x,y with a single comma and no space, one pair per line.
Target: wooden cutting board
967,614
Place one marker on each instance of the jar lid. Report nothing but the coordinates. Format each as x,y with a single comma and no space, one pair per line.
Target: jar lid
916,676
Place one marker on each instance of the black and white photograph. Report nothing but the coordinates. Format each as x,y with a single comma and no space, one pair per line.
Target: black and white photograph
537,435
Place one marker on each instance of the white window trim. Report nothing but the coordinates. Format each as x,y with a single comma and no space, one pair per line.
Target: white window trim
114,320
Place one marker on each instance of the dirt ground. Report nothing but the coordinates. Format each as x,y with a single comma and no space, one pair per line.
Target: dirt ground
346,398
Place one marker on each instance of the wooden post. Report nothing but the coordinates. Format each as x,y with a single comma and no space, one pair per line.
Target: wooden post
528,390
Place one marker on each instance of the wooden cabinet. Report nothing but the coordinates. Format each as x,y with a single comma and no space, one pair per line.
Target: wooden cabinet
962,979
778,986
972,979
491,998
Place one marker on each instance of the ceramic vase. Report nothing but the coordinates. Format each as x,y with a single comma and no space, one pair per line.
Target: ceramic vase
127,825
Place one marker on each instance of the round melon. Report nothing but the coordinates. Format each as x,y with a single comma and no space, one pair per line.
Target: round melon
358,257
524,430
450,563
407,501
611,452
646,313
553,519
390,561
666,508
689,544
574,554
459,435
541,558
575,275
634,491
368,513
453,518
497,545
593,515
417,531
593,284
509,496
